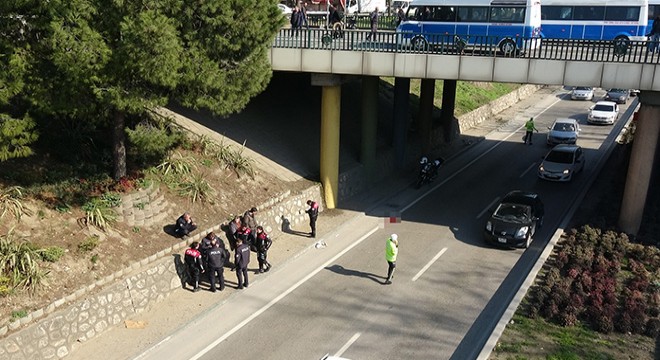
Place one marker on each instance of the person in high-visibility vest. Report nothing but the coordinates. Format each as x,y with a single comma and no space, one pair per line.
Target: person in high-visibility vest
529,131
391,251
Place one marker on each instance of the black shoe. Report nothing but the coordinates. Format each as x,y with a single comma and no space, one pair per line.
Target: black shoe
388,282
260,271
213,290
196,289
267,269
222,288
240,288
246,285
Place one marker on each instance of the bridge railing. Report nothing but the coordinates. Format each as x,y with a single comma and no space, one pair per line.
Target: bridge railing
617,51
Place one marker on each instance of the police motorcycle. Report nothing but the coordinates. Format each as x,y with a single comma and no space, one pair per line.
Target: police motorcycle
428,171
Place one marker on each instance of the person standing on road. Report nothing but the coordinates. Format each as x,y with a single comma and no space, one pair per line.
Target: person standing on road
373,21
313,212
529,131
215,260
241,260
391,251
193,260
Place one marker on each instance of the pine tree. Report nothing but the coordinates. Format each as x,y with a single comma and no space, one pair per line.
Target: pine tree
103,60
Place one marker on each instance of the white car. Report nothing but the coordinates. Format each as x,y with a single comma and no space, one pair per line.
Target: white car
582,93
563,131
604,112
562,163
285,9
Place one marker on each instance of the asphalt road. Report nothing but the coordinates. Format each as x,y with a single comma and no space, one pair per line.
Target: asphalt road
449,289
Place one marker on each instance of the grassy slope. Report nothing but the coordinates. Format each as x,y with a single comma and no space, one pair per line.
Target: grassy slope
469,95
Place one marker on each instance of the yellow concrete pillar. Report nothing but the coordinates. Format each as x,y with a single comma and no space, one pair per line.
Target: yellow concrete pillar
330,111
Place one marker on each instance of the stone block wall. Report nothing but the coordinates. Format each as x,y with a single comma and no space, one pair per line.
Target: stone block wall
54,331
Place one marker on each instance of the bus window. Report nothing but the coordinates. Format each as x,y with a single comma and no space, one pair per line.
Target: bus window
556,12
622,13
588,13
444,13
472,14
507,15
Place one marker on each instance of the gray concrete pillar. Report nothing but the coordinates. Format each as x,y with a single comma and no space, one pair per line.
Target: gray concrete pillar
400,126
426,95
369,124
641,163
448,106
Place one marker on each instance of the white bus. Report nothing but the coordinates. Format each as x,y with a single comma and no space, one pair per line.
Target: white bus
594,19
506,25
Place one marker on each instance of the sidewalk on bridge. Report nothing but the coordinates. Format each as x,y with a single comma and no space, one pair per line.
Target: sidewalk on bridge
183,307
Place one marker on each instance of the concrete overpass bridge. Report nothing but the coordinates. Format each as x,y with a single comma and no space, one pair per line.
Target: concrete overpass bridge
332,56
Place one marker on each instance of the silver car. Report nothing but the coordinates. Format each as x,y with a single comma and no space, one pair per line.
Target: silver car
582,93
563,131
562,163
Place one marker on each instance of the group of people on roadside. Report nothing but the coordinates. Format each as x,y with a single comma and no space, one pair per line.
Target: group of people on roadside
211,254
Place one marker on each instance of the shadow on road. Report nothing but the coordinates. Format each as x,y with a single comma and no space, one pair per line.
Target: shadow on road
338,269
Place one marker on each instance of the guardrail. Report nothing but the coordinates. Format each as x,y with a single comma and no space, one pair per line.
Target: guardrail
615,51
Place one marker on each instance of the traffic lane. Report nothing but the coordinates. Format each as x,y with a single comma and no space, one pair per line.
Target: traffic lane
346,298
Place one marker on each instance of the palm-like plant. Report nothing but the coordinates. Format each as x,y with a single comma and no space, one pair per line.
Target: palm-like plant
19,261
11,200
177,165
99,213
196,188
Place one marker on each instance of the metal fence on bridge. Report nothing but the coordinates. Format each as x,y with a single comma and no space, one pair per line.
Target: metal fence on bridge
617,51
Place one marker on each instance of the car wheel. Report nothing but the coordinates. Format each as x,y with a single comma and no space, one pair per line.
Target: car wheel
419,43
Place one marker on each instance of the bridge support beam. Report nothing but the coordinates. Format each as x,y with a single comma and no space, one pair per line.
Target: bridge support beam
330,120
448,106
641,163
369,124
426,95
401,116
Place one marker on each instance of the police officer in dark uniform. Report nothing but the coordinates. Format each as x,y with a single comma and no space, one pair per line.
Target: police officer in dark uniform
216,257
242,259
262,244
313,212
193,260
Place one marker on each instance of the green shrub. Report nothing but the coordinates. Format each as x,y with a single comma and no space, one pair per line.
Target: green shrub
241,165
196,188
5,286
176,165
17,314
99,213
94,259
52,253
89,244
150,142
19,261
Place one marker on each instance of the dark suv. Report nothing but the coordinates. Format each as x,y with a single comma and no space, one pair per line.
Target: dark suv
514,221
619,96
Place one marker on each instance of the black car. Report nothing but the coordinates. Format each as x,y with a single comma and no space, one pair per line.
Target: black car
515,220
619,96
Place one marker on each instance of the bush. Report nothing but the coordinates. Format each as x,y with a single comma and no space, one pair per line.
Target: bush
652,328
196,188
52,253
150,142
18,260
11,200
99,213
176,165
89,244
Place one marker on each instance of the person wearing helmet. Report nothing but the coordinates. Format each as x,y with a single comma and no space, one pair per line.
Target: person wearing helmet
391,251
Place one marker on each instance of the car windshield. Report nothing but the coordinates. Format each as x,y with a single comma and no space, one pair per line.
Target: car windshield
602,107
617,91
512,212
582,88
561,157
563,127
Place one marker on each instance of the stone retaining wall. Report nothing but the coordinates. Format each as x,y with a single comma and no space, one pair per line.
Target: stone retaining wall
53,331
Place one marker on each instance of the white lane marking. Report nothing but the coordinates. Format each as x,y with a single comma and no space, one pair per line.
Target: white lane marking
348,344
427,266
153,347
280,297
492,203
474,160
528,169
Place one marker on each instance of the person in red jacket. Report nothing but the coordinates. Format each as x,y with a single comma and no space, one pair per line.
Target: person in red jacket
262,244
193,260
